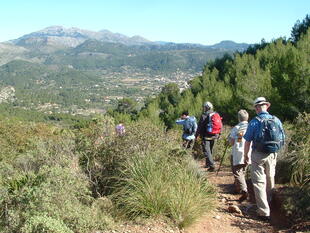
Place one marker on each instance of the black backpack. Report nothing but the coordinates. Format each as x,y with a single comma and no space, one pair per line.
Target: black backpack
269,138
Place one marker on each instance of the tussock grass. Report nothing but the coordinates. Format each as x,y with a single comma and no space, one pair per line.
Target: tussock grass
156,185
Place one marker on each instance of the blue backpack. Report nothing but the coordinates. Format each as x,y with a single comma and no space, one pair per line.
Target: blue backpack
189,126
269,138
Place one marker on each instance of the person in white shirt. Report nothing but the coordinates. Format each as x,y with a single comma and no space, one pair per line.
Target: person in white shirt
237,159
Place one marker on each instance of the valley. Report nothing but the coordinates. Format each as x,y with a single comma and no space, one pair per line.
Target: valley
59,70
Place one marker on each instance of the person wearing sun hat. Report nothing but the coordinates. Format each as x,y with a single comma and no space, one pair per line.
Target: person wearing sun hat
263,161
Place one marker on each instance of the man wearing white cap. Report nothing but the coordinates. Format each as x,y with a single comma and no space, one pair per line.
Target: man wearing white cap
209,128
267,134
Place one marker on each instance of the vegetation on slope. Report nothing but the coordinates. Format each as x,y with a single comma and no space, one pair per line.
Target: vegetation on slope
56,178
280,71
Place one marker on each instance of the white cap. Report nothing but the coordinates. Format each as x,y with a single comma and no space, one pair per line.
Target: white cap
208,105
261,101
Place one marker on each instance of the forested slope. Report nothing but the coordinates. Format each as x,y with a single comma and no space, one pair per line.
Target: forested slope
279,70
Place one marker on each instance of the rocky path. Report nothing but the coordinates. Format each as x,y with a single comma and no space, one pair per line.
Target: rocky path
230,216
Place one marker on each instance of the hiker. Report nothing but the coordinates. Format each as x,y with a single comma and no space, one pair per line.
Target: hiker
238,164
209,129
189,129
120,129
267,136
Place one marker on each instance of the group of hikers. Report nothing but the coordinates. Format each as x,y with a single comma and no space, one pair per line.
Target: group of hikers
256,142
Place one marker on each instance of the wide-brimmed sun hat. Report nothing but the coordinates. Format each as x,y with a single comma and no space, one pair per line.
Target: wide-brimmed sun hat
261,101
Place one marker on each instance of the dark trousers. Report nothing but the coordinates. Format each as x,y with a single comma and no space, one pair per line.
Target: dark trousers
207,148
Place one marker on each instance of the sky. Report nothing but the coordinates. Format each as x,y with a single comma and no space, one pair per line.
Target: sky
181,21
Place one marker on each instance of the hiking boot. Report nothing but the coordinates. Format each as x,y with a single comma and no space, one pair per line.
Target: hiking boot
244,196
211,169
264,218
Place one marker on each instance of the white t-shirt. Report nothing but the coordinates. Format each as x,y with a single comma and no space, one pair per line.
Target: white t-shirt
238,148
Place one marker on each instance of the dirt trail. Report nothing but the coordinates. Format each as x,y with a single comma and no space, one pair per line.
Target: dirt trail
221,220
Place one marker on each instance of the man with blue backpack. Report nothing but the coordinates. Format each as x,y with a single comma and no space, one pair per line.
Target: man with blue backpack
267,136
189,129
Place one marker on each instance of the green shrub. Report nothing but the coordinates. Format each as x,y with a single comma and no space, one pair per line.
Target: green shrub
18,137
283,168
294,166
220,147
61,192
98,158
296,203
102,157
299,151
45,224
46,178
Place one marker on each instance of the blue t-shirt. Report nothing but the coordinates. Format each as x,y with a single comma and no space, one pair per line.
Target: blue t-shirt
253,128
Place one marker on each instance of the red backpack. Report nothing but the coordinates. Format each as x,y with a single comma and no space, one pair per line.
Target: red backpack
214,124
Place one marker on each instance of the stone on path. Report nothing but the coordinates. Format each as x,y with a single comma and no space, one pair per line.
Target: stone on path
234,209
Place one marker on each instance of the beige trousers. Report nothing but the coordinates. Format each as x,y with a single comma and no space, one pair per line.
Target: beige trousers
262,174
239,172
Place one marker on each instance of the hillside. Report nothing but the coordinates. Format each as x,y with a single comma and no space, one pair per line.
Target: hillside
74,69
72,174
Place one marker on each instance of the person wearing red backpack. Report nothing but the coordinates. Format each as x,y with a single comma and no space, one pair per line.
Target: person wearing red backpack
209,129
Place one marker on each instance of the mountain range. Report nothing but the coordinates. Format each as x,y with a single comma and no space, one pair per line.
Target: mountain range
59,36
72,66
71,37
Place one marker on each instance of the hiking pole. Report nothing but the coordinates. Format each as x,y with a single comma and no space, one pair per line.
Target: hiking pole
222,159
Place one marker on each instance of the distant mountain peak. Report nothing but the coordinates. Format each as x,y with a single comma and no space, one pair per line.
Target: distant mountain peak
54,27
60,36
105,31
229,44
61,31
140,39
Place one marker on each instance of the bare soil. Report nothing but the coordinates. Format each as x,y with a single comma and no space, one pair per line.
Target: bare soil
220,220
